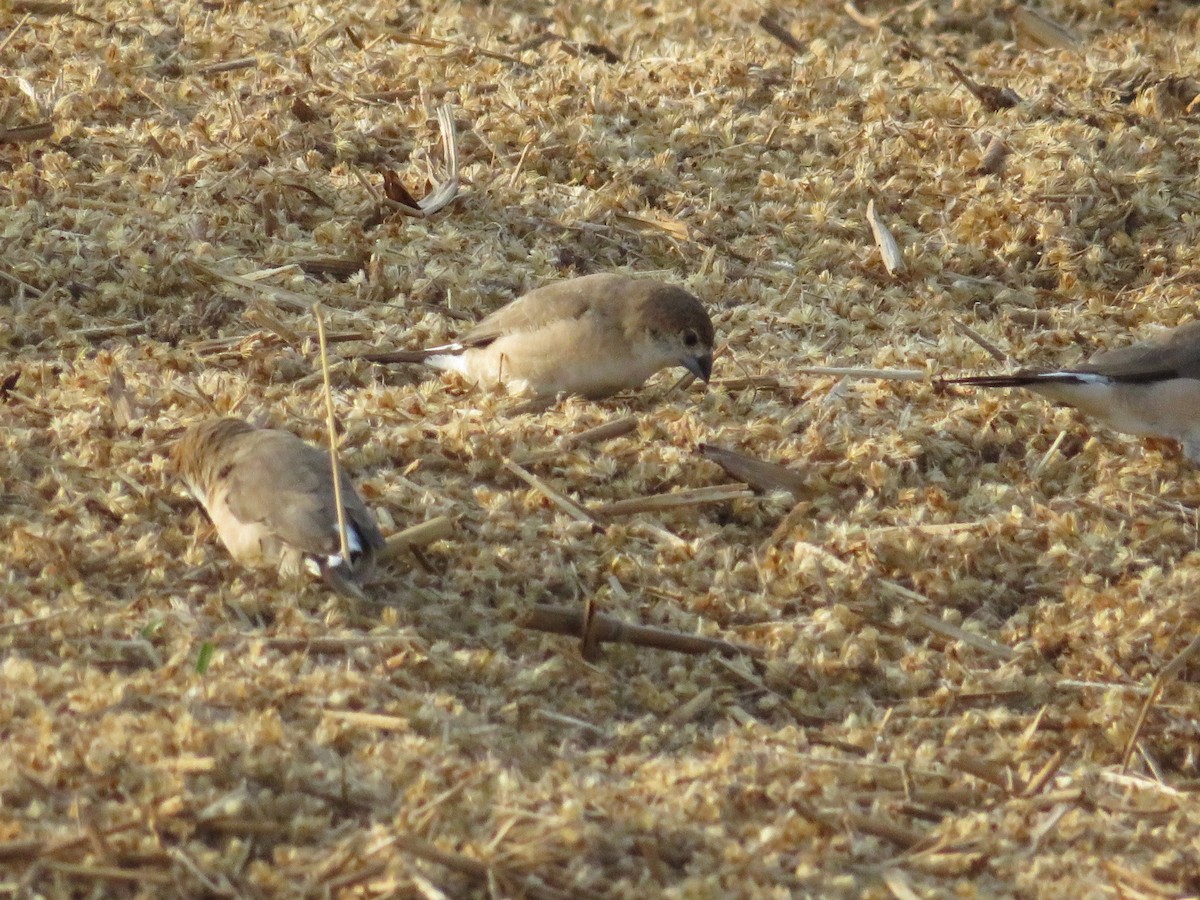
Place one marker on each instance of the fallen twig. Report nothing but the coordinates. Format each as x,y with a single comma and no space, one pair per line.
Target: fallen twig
772,26
292,301
48,8
854,372
604,432
1042,777
880,827
376,721
425,41
918,617
328,645
562,501
658,502
230,65
331,429
111,873
992,350
595,628
38,132
992,97
861,18
1169,671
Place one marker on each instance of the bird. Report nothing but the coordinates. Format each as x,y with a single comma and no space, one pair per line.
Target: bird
1150,388
270,496
594,336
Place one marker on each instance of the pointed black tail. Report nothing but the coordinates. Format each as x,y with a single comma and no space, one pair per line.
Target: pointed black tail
1015,379
341,578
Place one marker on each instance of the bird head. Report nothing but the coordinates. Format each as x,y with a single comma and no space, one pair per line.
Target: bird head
194,454
681,329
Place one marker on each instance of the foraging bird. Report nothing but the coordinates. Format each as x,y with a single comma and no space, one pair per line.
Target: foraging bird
594,336
270,496
1149,389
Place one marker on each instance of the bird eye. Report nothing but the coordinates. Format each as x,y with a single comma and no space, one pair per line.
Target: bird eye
690,338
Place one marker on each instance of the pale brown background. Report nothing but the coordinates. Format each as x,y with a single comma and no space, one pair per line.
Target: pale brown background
960,620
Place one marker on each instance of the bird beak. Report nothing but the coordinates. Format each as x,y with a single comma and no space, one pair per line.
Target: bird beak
700,366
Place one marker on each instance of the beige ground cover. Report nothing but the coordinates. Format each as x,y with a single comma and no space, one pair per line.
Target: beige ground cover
957,617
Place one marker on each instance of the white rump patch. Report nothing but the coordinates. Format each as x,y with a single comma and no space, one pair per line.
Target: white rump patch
333,561
353,544
451,362
1082,377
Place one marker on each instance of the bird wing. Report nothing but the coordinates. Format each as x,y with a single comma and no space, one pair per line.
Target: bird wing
562,300
285,484
1172,354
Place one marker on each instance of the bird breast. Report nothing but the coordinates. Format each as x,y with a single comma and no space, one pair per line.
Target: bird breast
250,543
577,356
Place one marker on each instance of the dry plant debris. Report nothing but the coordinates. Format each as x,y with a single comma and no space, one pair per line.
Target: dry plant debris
760,474
972,620
1035,31
889,250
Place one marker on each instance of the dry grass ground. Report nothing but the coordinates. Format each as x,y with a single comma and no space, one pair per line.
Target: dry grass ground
959,621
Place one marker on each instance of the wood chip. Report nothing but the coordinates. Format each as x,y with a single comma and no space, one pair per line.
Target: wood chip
994,155
899,884
121,401
1037,31
761,475
375,721
662,224
889,250
423,534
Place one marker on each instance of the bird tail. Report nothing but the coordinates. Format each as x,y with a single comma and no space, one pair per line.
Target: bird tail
341,577
344,576
1018,379
411,356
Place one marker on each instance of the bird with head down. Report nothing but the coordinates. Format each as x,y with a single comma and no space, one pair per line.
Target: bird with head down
271,498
